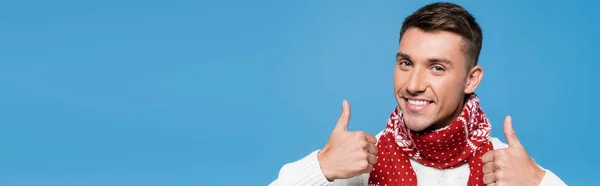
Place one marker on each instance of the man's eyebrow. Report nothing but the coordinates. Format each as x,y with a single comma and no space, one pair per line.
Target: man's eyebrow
440,60
401,55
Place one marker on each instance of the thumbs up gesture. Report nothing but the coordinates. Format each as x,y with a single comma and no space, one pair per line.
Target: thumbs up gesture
347,154
512,165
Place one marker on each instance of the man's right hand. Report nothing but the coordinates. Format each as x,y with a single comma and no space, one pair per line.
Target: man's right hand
347,154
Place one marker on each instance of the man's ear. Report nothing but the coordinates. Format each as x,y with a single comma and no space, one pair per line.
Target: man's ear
473,78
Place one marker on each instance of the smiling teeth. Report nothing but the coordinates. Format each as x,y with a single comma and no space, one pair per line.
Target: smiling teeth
417,102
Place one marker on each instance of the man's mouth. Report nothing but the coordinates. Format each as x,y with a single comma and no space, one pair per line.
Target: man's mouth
417,105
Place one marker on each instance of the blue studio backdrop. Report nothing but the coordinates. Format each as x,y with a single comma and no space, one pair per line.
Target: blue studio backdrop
226,92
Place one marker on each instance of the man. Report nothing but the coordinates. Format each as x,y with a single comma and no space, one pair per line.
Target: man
438,134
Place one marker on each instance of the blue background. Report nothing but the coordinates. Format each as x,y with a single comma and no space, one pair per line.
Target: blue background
226,92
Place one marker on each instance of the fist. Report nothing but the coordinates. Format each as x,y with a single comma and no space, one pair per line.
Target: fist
512,165
347,154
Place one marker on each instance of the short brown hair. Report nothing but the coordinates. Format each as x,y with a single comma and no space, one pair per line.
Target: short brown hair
452,18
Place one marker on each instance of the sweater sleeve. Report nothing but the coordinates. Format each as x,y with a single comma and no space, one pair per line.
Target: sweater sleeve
305,171
550,179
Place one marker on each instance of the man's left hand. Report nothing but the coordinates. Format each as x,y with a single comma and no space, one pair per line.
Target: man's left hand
512,165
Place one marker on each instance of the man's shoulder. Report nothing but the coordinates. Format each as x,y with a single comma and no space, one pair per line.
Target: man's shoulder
495,141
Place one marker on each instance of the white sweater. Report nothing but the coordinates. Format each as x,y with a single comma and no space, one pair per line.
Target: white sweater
307,171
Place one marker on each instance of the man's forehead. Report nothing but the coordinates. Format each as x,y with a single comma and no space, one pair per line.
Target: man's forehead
419,44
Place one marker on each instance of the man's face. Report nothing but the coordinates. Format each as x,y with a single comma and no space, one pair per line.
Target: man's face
431,78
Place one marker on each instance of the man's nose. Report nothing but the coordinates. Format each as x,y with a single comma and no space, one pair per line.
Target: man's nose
416,82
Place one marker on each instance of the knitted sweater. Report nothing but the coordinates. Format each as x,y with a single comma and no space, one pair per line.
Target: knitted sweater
307,171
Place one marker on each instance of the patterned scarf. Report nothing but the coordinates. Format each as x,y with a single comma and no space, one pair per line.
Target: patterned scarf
466,140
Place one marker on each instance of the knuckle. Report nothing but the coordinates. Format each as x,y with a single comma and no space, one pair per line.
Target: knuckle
498,153
487,154
487,168
360,134
366,164
499,175
487,179
362,143
363,164
364,155
489,165
343,114
372,137
498,164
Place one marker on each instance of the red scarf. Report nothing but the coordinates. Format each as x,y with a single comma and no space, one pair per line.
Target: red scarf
465,140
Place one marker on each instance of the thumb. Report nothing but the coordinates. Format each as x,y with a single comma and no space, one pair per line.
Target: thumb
342,124
510,134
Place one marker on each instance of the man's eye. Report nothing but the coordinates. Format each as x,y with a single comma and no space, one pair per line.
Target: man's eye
405,63
438,68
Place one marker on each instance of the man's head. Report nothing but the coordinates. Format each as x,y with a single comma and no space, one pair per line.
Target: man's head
436,65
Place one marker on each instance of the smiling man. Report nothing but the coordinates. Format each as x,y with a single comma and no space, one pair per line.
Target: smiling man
438,134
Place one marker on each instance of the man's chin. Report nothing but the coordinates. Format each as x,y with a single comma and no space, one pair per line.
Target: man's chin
416,126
